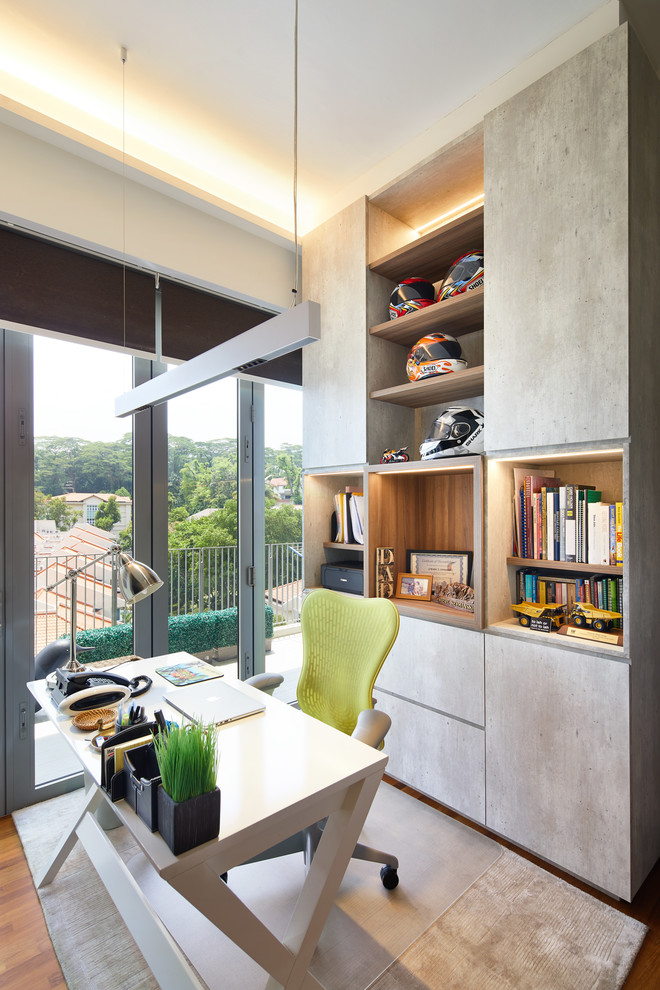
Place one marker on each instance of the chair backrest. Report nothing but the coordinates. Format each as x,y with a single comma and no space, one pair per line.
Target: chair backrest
345,642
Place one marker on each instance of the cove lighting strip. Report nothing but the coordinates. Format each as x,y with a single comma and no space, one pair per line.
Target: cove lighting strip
287,332
463,208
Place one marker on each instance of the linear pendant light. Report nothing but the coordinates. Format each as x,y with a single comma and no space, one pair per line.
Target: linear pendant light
287,332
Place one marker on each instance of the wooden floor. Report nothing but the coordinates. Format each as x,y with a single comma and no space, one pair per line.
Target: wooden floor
28,961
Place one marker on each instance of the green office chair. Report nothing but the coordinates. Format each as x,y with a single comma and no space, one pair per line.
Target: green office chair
345,643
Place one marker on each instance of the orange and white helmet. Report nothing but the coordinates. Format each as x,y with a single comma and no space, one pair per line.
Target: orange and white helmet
434,354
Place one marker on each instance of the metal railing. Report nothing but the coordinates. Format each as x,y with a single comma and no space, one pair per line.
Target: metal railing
199,579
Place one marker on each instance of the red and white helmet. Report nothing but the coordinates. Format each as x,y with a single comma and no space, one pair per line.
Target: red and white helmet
434,354
411,294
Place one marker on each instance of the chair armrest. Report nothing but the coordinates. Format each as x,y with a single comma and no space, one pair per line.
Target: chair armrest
265,682
372,727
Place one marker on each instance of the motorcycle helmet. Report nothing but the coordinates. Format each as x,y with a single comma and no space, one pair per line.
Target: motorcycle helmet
457,430
466,273
411,294
434,354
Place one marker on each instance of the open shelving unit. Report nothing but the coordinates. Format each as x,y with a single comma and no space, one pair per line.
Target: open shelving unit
430,257
606,470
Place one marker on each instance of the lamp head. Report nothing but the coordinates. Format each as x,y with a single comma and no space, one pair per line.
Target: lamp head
137,580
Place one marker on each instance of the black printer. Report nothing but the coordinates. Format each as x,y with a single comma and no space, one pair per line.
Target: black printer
344,575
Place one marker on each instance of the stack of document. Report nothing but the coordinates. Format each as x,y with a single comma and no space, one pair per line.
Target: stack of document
349,513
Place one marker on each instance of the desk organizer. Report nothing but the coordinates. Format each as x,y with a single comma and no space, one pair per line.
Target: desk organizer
143,783
115,783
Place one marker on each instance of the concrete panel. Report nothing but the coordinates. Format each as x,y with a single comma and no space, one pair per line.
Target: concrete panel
557,758
334,372
642,521
439,756
440,666
556,248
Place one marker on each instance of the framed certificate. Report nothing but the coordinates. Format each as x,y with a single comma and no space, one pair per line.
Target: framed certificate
446,568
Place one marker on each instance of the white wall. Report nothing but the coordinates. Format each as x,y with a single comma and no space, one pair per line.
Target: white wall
49,187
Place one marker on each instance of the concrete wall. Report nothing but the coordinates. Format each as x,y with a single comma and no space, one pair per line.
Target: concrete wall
335,369
556,243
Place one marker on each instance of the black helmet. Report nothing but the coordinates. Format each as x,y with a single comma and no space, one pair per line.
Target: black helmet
457,430
411,294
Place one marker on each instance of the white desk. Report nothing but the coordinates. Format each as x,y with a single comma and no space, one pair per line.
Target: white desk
279,771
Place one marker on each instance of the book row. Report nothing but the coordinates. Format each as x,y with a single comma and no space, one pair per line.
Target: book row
565,522
549,589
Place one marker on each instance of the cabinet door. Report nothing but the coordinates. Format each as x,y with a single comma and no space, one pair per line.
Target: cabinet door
557,757
556,230
439,756
441,667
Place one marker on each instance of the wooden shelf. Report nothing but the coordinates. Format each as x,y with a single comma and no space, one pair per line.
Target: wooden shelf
433,612
343,546
457,315
562,565
433,391
431,255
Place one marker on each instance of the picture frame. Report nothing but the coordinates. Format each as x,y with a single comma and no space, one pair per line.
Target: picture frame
446,567
414,586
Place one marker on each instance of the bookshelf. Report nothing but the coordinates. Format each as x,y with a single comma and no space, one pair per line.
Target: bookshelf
602,467
549,741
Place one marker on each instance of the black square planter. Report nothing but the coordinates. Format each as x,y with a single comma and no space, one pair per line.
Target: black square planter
186,824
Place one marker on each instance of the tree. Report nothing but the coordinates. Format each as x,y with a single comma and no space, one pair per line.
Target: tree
56,509
107,515
292,472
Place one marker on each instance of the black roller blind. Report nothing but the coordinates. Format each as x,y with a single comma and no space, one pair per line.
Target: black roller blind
53,287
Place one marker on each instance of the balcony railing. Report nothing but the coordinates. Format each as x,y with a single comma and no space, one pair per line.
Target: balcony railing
199,579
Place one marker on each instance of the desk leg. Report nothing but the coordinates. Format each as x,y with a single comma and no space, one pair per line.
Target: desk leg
340,835
94,800
165,959
287,962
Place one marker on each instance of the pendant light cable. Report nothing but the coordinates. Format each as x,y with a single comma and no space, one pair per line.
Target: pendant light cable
295,155
123,54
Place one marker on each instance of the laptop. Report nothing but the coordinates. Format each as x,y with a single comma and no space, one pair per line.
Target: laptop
212,702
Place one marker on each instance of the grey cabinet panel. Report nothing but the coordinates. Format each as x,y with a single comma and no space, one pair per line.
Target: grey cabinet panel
557,758
437,755
440,666
556,248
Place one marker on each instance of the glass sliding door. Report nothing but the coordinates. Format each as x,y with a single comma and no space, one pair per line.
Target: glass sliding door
83,502
283,526
203,532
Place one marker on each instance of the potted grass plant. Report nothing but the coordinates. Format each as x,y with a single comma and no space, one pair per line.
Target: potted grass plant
188,799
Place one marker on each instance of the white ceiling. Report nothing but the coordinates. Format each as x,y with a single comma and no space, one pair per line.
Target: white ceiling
206,93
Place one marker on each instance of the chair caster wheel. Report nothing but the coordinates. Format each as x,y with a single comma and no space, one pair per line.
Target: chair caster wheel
390,877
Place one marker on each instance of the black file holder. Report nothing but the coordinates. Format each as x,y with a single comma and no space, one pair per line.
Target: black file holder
142,783
115,783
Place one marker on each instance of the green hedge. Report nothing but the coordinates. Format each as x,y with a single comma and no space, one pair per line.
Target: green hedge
194,633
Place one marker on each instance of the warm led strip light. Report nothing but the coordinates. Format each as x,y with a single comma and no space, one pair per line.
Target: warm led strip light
564,455
450,213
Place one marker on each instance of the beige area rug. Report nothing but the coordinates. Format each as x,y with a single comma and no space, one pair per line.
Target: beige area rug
368,927
464,915
520,927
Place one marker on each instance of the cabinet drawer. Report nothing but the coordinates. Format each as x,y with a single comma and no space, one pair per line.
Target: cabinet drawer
440,666
437,755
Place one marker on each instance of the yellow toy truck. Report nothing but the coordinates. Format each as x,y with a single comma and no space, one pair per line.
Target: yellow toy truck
545,616
600,619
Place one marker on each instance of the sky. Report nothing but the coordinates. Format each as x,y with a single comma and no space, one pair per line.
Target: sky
75,388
